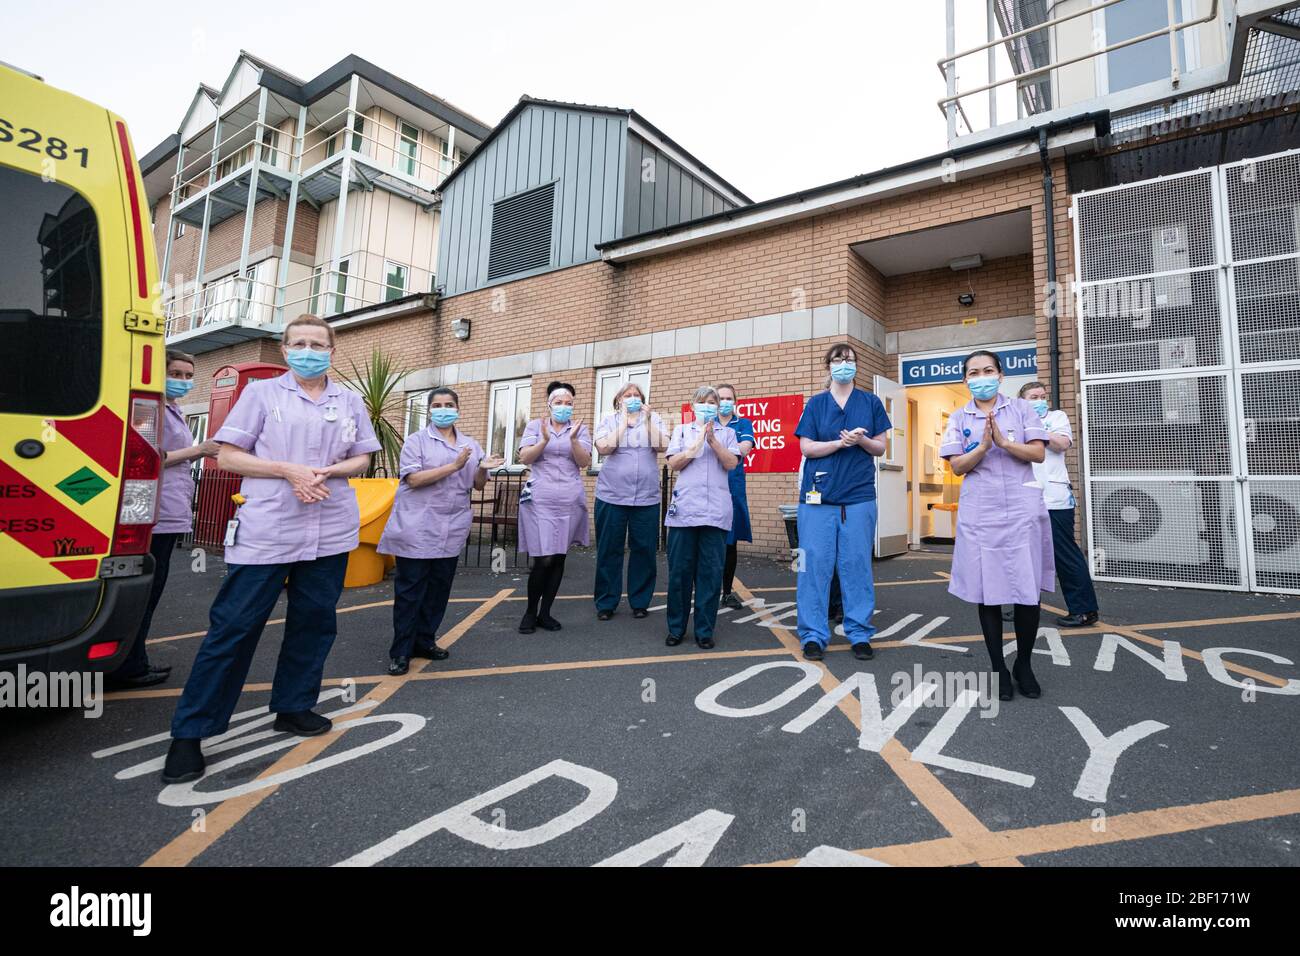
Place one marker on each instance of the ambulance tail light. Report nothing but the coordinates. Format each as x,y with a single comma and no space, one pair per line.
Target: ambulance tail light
141,476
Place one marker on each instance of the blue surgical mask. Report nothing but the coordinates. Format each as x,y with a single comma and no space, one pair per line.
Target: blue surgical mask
179,387
1040,406
983,386
726,407
442,417
705,412
844,371
633,405
307,362
562,413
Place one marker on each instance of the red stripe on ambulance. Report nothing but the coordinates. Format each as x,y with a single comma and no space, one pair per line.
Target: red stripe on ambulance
46,527
98,435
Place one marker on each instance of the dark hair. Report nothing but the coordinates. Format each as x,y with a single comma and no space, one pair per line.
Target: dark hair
1027,386
556,385
838,350
997,362
176,355
444,390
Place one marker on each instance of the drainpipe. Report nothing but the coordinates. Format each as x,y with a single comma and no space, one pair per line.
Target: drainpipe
1053,337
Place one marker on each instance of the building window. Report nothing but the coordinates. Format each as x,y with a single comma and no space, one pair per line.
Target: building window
341,287
331,145
417,410
271,147
394,281
408,147
444,158
199,430
608,382
358,134
314,301
1143,62
433,282
508,411
180,229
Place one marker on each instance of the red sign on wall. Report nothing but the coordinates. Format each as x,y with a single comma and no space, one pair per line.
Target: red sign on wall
775,417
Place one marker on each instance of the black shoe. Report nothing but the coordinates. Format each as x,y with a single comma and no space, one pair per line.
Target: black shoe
160,668
731,600
1078,620
304,723
548,623
147,679
398,666
434,653
1003,678
673,640
1025,680
862,651
640,612
184,761
704,643
812,651
529,623
604,615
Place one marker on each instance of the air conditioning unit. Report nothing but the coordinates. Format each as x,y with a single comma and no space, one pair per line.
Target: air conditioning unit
1275,533
1147,522
1169,253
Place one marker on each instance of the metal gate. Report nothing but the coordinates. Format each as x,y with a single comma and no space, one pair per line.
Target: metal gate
1188,303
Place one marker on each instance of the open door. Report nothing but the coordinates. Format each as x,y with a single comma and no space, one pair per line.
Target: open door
891,473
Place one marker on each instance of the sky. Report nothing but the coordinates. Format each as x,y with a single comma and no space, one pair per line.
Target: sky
775,97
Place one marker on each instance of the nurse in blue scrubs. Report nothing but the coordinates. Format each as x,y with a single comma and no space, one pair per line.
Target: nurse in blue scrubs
740,529
841,432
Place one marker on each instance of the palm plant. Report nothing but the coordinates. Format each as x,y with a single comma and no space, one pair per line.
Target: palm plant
377,383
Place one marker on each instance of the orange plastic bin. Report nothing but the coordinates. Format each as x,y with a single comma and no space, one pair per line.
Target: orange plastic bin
375,502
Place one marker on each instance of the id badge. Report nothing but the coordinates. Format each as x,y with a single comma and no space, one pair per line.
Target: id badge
526,492
231,527
813,498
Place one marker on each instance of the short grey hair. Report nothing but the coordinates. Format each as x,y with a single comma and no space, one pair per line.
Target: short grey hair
704,392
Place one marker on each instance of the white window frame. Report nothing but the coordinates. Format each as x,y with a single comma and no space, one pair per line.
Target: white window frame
617,376
389,264
270,151
313,293
511,441
339,294
179,229
1189,39
408,163
417,410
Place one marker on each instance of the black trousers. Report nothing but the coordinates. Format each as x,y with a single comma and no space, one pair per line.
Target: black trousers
136,662
1071,565
420,593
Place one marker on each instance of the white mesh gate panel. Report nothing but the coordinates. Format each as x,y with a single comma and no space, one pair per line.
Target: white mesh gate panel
1188,303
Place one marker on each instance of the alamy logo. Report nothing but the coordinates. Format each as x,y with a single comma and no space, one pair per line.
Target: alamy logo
57,689
103,909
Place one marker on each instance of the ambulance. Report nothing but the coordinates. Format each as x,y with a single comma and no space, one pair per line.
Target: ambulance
81,382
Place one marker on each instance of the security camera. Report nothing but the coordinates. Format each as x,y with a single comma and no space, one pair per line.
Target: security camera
966,299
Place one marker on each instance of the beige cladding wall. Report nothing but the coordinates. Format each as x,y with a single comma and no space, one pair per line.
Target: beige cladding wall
782,269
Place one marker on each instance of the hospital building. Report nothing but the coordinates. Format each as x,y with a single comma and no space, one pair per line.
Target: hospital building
1117,214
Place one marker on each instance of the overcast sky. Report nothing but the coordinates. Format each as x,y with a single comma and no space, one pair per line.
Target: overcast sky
773,96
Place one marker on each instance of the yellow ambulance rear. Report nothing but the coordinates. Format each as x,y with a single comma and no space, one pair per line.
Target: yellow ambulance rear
81,382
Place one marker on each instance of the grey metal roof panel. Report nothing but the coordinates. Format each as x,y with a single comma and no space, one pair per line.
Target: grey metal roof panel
159,154
525,101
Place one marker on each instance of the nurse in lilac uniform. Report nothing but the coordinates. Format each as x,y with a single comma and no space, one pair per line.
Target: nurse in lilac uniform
553,502
175,517
429,525
296,440
702,453
627,502
1003,550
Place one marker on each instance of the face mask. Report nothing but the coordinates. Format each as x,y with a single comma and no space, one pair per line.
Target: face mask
985,386
726,407
307,362
442,417
844,371
706,412
179,387
562,413
1040,406
633,405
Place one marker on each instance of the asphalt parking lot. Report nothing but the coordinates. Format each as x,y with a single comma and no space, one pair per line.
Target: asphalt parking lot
1151,744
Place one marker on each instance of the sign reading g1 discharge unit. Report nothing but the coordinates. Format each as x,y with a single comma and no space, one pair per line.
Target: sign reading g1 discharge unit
938,369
